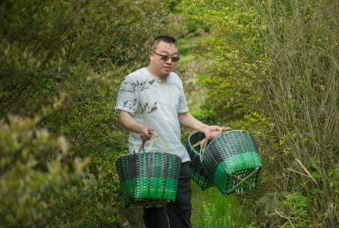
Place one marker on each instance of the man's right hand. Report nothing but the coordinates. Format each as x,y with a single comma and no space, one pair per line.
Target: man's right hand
126,120
145,134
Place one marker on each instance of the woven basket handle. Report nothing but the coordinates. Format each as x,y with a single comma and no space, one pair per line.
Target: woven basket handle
203,143
208,137
151,144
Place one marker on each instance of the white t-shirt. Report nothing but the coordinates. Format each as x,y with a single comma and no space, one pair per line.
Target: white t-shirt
154,104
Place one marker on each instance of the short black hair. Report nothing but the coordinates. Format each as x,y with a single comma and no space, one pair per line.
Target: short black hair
164,38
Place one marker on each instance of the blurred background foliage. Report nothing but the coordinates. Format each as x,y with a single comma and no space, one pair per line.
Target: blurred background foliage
61,65
275,74
271,68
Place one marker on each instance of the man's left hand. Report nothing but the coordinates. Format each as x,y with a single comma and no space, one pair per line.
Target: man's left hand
214,131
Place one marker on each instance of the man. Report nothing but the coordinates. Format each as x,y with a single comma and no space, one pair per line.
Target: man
153,99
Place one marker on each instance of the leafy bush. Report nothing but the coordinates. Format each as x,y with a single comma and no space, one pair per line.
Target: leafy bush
280,59
61,64
207,117
37,185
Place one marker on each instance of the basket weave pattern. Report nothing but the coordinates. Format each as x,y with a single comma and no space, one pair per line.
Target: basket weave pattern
148,178
230,158
199,174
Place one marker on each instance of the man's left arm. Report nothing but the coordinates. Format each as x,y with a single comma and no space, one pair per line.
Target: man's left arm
189,121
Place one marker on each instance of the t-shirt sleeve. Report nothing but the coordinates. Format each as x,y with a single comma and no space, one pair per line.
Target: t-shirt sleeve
182,102
127,97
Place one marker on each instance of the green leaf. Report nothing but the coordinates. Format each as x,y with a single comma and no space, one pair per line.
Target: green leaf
104,90
316,175
68,130
301,200
316,190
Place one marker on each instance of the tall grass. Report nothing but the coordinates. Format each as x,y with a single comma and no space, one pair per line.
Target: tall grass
212,209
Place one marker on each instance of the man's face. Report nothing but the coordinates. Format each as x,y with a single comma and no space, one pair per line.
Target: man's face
163,68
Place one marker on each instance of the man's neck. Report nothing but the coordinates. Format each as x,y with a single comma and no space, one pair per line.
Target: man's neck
161,78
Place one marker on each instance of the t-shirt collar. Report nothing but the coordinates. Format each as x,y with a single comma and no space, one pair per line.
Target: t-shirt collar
168,80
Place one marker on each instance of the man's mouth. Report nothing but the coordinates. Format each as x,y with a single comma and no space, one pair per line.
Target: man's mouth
167,68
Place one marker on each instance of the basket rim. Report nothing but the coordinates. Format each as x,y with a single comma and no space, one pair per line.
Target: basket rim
189,142
227,132
145,153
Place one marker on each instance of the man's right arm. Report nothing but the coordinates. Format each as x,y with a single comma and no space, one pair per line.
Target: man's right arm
126,120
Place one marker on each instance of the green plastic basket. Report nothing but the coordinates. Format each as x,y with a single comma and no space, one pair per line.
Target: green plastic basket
199,174
232,161
149,178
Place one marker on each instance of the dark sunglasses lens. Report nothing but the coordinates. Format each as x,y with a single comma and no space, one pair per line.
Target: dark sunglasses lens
173,59
165,57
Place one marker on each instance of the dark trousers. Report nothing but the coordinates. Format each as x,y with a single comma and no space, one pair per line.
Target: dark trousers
179,212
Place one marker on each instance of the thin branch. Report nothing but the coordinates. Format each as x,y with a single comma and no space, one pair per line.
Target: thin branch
301,164
297,172
290,43
52,50
18,33
284,217
70,47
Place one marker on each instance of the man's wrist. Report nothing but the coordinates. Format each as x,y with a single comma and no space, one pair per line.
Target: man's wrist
204,128
141,127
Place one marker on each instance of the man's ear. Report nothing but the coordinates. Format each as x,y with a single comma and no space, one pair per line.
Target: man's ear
150,54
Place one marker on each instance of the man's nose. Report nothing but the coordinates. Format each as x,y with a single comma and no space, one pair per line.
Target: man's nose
169,60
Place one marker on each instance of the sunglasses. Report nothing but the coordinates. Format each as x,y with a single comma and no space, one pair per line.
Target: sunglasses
166,57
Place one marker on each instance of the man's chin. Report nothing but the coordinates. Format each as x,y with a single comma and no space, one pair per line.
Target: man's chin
164,71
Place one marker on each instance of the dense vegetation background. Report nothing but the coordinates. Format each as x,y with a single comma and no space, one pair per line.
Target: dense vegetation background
274,73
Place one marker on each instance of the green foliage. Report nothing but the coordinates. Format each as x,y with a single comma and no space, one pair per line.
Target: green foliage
61,64
229,85
185,49
305,131
271,201
279,59
37,178
202,79
207,117
171,4
195,24
251,225
284,204
212,209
